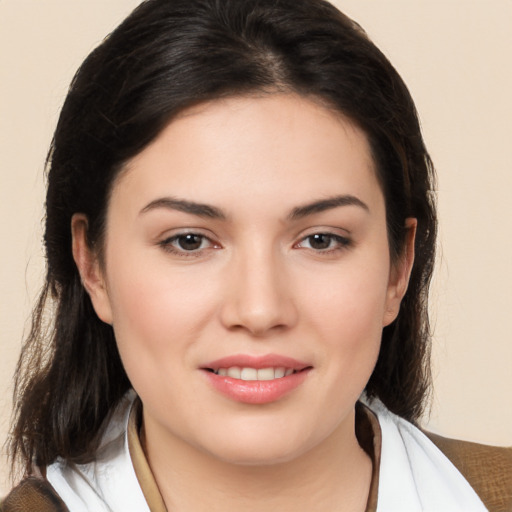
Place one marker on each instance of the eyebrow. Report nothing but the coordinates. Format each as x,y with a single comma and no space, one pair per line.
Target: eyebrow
181,205
212,212
326,204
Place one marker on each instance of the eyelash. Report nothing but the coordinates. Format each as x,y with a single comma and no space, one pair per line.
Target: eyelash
168,246
341,243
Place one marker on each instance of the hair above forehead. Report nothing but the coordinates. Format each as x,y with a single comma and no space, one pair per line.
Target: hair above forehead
166,56
169,55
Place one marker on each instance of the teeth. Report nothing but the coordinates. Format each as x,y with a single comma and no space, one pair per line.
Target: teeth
279,372
236,372
249,374
266,374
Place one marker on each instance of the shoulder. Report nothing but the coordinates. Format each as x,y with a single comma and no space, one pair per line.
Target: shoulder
487,468
444,473
33,495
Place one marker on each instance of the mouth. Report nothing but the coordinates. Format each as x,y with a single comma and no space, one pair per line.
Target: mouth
247,367
253,374
256,379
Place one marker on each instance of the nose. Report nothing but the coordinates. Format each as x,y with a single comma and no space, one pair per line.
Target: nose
257,295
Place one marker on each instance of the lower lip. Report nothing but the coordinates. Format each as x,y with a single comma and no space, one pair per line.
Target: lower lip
256,391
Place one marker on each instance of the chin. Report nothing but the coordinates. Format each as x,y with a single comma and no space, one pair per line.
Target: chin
259,447
254,457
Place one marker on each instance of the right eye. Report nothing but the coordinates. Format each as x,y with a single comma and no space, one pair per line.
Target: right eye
187,244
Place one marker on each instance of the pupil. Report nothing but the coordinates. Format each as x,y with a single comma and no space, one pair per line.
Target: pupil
320,241
189,242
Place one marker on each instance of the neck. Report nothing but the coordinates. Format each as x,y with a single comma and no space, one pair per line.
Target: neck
335,475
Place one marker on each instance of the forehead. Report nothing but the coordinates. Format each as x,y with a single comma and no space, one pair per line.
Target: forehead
255,148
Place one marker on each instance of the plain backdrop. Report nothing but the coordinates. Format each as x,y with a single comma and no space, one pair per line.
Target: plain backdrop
455,57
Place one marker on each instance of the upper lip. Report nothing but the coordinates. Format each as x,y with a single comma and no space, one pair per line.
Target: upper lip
257,362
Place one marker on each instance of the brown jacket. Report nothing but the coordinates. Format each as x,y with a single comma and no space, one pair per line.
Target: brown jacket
487,468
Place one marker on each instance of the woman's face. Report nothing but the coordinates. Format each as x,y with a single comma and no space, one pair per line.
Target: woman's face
246,242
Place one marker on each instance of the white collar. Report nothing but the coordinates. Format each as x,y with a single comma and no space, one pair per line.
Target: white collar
108,484
414,474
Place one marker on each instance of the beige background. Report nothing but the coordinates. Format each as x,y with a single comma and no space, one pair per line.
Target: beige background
455,56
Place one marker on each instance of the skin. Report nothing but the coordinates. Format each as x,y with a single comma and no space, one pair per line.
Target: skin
258,284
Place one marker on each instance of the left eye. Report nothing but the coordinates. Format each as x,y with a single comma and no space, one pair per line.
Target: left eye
323,242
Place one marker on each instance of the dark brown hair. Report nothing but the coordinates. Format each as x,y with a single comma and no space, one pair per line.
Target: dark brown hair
166,56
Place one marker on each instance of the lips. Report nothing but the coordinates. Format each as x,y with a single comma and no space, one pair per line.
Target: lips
256,380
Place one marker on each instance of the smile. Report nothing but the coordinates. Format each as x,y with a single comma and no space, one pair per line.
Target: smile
256,379
235,372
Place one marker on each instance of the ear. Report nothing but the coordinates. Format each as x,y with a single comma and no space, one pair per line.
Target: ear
89,268
400,273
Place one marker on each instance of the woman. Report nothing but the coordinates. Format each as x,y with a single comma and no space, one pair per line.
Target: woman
240,236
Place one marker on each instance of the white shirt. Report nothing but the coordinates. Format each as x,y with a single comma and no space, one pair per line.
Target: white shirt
414,474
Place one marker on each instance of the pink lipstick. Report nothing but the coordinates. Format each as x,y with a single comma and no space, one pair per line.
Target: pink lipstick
256,379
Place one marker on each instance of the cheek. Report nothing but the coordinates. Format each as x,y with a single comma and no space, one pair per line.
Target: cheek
347,313
350,303
157,314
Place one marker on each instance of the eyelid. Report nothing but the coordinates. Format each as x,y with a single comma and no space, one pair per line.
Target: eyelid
166,243
170,233
344,241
